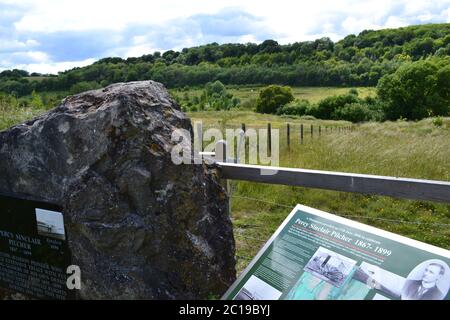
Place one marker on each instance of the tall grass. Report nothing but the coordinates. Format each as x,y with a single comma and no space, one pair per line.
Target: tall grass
402,149
12,111
313,94
405,149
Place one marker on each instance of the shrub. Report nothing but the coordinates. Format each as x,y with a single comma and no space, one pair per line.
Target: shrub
353,91
249,104
297,108
36,101
438,121
213,97
272,98
417,90
354,112
326,107
216,87
84,86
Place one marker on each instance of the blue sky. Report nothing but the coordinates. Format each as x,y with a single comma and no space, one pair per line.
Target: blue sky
55,35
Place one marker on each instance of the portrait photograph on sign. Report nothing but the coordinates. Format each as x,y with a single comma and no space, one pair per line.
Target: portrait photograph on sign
428,281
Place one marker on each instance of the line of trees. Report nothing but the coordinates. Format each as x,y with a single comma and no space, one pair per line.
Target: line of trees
353,61
415,91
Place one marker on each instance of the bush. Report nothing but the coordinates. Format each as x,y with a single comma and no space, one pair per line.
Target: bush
216,87
272,98
417,90
438,121
326,107
353,91
249,104
84,86
348,107
297,108
36,101
354,112
213,97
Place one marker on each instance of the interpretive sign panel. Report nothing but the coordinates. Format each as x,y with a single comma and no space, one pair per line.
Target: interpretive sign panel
34,254
315,255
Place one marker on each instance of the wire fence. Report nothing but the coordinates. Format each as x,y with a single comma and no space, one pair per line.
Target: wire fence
253,235
256,242
350,216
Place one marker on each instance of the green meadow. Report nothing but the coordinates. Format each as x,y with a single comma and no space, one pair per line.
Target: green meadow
312,94
403,149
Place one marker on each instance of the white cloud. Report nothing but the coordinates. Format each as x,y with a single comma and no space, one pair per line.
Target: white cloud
49,31
54,67
36,56
139,50
447,13
395,22
14,44
354,25
247,38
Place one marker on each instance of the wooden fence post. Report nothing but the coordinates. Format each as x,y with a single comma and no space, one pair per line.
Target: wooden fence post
221,156
312,130
269,138
245,140
288,134
301,133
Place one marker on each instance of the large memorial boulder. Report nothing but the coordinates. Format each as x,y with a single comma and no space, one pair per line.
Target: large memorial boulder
138,225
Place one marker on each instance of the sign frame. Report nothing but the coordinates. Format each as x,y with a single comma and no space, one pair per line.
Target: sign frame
340,220
55,246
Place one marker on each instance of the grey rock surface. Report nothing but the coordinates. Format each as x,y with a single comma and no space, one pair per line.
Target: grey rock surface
139,226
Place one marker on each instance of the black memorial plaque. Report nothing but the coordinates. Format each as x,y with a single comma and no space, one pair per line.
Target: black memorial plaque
34,254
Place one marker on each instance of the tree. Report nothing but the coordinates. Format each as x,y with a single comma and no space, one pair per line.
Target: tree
417,90
355,60
326,108
272,98
216,87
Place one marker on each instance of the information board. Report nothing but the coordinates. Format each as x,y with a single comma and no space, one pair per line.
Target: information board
34,254
315,255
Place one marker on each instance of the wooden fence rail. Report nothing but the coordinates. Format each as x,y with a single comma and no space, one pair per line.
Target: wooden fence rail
416,189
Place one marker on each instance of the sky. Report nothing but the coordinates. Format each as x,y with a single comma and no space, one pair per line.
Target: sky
48,36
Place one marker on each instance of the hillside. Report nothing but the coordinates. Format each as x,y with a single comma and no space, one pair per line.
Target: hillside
356,60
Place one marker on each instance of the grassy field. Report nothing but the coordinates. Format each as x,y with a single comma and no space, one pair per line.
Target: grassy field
12,113
313,94
403,149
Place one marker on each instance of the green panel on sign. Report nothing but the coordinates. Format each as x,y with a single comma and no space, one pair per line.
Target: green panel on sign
315,255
